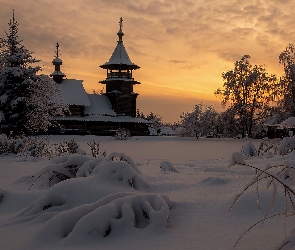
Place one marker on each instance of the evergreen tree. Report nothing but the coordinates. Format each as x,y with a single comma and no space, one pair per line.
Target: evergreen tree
25,104
155,119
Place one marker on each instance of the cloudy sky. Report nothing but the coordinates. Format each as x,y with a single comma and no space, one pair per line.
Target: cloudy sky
182,46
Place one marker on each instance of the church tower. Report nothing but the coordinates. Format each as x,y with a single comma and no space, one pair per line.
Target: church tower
119,82
57,75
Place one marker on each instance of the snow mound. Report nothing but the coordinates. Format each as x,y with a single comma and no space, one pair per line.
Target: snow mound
107,202
113,215
122,157
118,166
167,166
60,169
89,166
237,158
121,172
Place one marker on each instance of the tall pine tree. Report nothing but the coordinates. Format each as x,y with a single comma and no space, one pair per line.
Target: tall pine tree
28,102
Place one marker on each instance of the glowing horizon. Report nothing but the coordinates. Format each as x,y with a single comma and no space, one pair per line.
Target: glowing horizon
182,47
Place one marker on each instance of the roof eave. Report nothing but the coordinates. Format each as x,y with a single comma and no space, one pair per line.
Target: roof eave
119,66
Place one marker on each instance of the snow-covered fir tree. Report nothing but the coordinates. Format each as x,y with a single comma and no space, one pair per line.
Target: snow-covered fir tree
28,102
155,119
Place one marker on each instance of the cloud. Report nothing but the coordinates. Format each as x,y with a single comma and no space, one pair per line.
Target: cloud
230,56
177,61
166,38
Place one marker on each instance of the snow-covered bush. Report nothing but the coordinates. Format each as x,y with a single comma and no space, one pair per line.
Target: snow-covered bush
122,157
94,148
109,199
89,166
22,146
167,166
32,146
3,144
70,147
121,172
268,146
122,134
113,215
286,146
116,166
249,149
61,168
9,144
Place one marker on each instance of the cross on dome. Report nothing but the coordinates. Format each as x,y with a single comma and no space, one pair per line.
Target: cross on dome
120,32
57,50
121,23
57,62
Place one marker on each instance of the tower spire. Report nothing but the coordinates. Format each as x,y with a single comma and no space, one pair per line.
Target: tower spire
119,82
120,32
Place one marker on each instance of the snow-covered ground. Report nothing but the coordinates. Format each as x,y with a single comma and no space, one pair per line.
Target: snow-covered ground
184,208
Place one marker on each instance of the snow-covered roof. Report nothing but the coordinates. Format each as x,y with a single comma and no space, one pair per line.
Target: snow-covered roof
271,120
73,92
120,57
167,131
120,78
104,118
100,105
290,122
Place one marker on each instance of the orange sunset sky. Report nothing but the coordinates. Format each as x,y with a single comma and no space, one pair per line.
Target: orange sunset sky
182,46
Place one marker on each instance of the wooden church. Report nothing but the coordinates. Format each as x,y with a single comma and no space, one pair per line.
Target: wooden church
102,114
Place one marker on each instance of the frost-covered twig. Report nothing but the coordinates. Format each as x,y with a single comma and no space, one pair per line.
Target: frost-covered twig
257,223
94,148
275,178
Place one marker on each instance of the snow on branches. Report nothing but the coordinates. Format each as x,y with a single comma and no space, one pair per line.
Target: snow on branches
28,102
200,121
